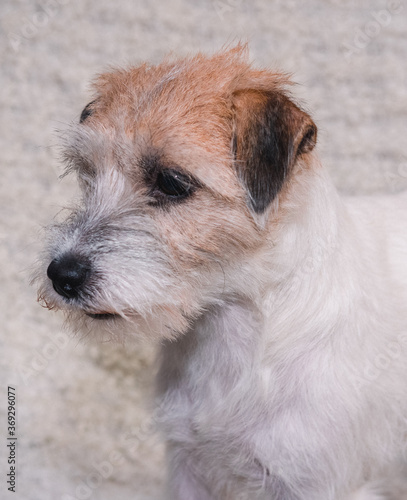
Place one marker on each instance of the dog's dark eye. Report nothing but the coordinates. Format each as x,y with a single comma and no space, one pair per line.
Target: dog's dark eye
173,184
87,111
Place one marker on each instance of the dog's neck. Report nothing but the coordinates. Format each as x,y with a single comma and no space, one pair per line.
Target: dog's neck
303,242
305,256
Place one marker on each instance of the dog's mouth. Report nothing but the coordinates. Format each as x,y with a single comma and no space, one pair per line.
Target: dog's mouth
102,316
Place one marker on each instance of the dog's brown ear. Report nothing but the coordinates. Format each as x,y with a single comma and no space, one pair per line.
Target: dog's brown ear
270,133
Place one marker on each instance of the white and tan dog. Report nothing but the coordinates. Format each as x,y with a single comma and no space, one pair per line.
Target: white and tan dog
207,223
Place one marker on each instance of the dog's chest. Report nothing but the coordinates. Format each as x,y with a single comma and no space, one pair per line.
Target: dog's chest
216,408
239,420
209,383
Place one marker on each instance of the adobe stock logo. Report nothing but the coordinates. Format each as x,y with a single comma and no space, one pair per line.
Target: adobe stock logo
379,19
30,27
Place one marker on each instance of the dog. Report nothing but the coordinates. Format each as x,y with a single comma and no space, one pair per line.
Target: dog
208,224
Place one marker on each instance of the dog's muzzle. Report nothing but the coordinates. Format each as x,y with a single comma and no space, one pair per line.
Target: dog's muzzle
69,275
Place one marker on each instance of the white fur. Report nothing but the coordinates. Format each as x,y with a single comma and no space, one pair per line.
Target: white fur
366,493
301,391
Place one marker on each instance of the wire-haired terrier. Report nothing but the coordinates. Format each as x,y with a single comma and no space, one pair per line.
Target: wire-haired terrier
208,224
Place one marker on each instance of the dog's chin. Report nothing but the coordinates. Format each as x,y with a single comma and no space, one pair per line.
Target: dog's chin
160,323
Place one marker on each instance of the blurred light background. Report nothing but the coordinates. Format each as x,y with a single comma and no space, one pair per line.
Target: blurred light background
85,424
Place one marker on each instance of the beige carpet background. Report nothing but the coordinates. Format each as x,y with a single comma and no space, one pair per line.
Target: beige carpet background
84,418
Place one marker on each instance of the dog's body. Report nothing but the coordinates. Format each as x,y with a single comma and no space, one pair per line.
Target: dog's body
300,394
207,222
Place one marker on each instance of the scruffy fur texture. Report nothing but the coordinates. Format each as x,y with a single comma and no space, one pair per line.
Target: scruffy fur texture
280,306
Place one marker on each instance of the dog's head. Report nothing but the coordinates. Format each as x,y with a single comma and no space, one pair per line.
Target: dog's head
181,167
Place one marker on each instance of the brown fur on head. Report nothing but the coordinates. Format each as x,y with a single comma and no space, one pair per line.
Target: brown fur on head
228,131
213,117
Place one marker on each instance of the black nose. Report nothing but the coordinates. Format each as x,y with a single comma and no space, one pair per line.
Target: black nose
68,273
